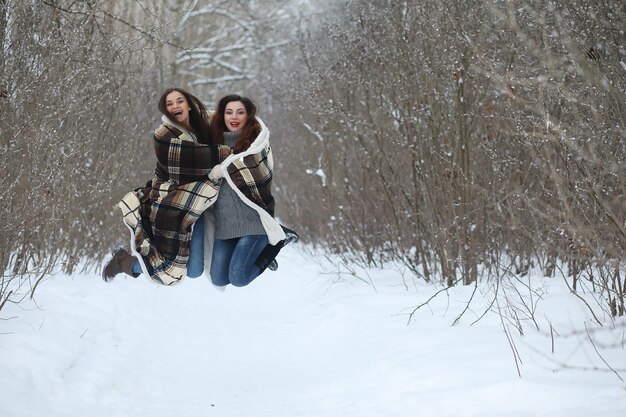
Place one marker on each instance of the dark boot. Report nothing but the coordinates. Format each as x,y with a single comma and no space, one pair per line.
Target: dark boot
273,266
122,262
267,258
292,236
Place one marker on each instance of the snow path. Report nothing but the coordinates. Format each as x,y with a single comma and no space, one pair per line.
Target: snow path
293,343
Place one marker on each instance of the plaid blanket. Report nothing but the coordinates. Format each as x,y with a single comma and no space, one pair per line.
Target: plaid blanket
161,214
252,175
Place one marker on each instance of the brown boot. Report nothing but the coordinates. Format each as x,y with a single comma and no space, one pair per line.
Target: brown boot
122,262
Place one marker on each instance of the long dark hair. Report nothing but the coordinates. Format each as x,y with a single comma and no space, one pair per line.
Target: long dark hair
198,115
248,133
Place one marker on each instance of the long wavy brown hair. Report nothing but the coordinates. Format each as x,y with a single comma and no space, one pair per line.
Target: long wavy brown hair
248,133
198,115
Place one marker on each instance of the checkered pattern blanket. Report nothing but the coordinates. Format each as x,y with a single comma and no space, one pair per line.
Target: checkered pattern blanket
161,214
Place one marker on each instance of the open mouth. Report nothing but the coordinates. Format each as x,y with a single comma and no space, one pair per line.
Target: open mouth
178,113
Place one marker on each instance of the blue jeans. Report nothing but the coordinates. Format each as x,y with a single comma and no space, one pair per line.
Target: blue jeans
195,263
233,260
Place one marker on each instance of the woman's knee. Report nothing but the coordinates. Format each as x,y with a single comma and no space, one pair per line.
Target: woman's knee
241,276
239,281
194,273
218,280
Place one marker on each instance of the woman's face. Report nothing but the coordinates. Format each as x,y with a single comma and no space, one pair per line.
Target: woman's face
177,106
235,116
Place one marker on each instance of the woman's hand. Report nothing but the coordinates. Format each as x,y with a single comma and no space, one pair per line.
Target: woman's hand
216,173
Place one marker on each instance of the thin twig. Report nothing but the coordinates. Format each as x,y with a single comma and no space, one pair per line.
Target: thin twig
117,19
456,321
603,360
511,345
430,299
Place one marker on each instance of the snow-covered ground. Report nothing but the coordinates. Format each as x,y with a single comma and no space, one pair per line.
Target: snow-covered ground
300,342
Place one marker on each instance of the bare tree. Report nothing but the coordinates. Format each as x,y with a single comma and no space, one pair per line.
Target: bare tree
461,136
77,106
225,45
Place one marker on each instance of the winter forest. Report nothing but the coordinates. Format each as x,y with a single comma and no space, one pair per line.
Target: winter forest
468,141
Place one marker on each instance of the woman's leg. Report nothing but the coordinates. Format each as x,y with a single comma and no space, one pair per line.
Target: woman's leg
242,269
220,261
195,264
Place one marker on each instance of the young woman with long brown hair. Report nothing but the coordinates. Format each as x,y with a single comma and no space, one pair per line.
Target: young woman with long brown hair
244,212
165,217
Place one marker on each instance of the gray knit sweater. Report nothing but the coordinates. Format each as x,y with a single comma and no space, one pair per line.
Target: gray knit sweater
233,217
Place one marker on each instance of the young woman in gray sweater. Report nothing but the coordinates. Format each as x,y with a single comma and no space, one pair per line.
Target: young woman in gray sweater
241,249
